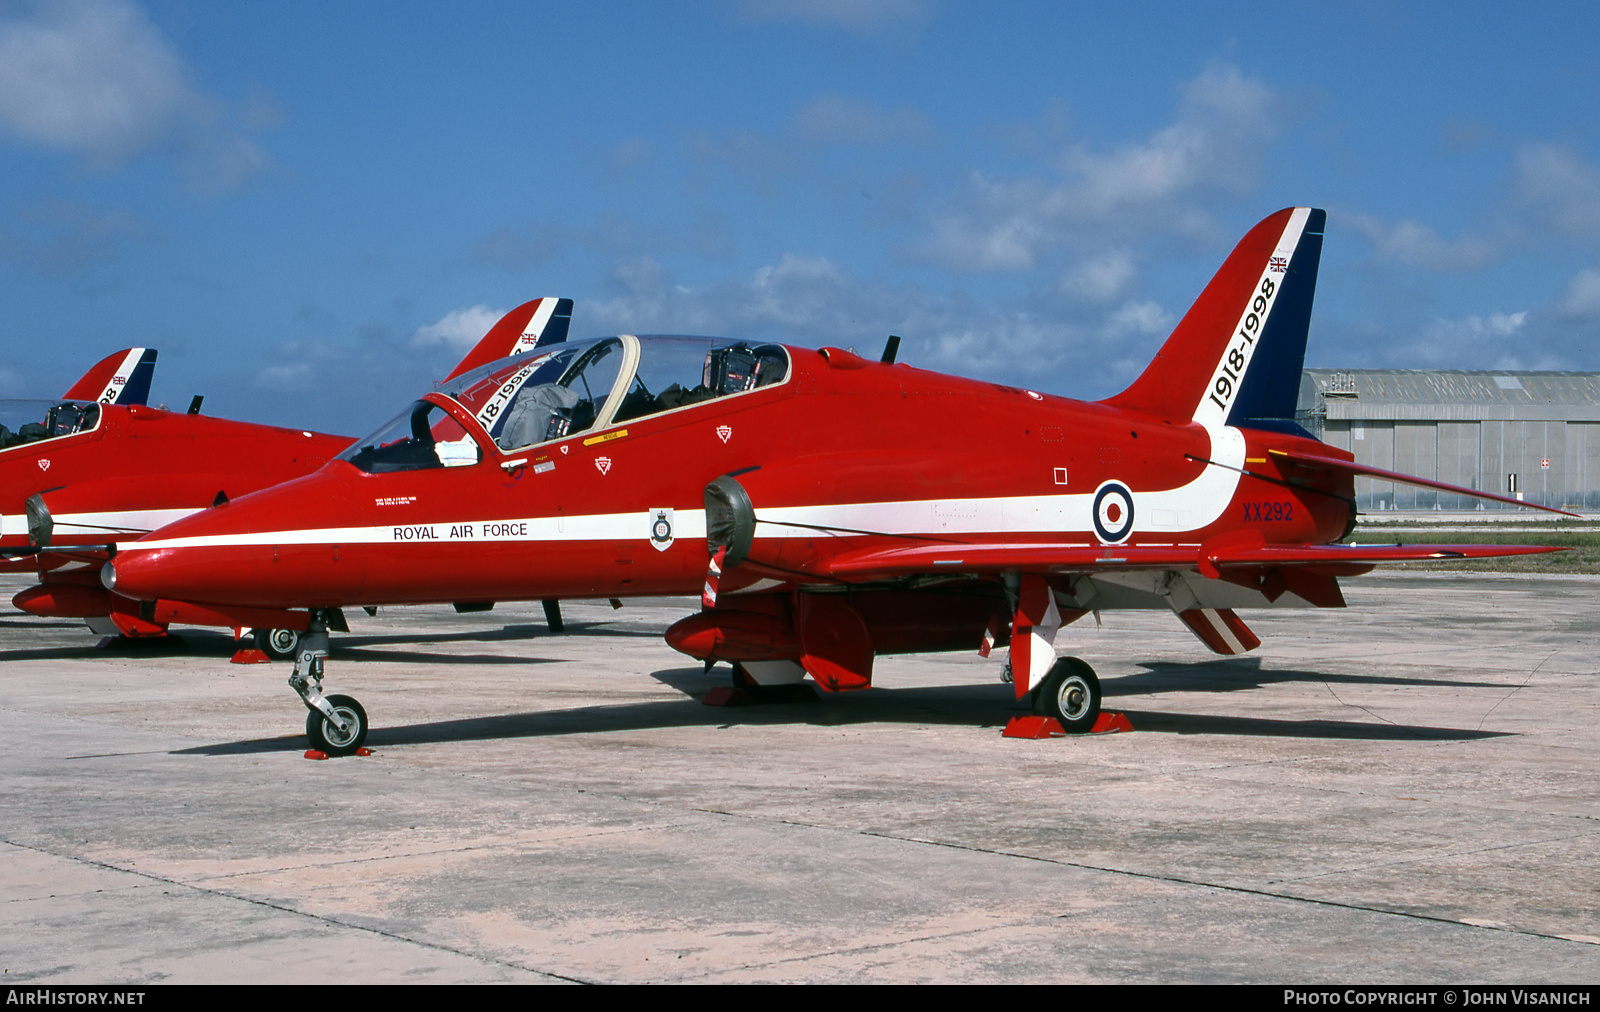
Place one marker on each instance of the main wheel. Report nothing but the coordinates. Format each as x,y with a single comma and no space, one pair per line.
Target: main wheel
327,738
278,644
1071,694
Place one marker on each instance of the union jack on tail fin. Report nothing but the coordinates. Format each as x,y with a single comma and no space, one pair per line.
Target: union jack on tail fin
531,325
120,378
1235,358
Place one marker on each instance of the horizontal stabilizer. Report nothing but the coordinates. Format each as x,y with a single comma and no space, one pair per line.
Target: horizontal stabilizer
1026,557
1221,630
1317,462
120,378
1358,555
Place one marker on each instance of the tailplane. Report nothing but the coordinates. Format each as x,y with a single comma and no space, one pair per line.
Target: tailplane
1235,358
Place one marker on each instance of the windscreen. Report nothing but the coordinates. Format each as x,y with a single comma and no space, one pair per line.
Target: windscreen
542,396
30,421
424,435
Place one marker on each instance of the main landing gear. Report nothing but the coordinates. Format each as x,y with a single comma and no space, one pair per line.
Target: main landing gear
1071,694
335,724
278,644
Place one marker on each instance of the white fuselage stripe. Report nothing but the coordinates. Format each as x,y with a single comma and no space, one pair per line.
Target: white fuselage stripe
1165,513
107,523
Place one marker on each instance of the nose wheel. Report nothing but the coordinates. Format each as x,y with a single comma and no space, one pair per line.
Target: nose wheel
1071,694
326,736
335,724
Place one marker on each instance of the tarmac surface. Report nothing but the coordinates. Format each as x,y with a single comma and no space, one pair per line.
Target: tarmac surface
1405,791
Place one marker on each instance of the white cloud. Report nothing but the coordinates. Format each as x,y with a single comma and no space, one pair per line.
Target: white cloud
1139,318
1225,121
1495,326
290,376
93,76
1495,341
848,119
1102,279
1416,245
812,301
1581,301
459,328
1007,231
1562,186
98,79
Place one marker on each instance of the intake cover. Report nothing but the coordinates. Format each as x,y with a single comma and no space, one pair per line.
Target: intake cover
40,523
730,520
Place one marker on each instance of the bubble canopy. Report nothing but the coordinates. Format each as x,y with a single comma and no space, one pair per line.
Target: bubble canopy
548,394
31,421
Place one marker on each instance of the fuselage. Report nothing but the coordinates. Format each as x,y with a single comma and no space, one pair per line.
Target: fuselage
837,453
134,468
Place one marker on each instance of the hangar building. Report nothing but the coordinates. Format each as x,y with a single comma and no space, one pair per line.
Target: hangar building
1533,434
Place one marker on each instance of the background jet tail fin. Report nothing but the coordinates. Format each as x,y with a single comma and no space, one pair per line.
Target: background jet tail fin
531,325
120,378
1235,358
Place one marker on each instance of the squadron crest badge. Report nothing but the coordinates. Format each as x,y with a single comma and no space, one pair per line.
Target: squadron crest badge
661,529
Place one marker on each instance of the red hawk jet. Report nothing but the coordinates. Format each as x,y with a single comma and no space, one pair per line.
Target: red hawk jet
103,467
849,508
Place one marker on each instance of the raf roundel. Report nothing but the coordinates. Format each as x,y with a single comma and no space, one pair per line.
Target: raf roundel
1113,512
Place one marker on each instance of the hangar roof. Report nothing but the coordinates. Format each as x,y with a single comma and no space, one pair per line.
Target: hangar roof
1451,394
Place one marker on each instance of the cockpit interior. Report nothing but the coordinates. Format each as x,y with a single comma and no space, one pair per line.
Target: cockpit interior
551,393
59,418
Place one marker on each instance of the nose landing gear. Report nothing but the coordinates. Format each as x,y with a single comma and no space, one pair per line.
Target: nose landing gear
335,724
325,736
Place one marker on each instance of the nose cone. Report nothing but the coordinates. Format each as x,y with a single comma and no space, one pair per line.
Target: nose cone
273,549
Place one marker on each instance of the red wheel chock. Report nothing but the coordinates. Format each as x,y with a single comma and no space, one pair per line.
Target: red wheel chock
312,753
249,655
1111,723
1033,727
1048,727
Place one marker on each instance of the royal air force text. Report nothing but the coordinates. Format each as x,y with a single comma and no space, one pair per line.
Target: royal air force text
461,532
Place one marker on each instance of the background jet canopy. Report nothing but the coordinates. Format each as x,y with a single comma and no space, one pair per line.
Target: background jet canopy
29,421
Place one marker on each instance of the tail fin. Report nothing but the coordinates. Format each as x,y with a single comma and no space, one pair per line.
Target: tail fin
1235,358
120,378
531,325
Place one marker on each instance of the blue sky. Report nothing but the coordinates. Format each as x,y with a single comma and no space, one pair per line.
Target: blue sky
311,209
